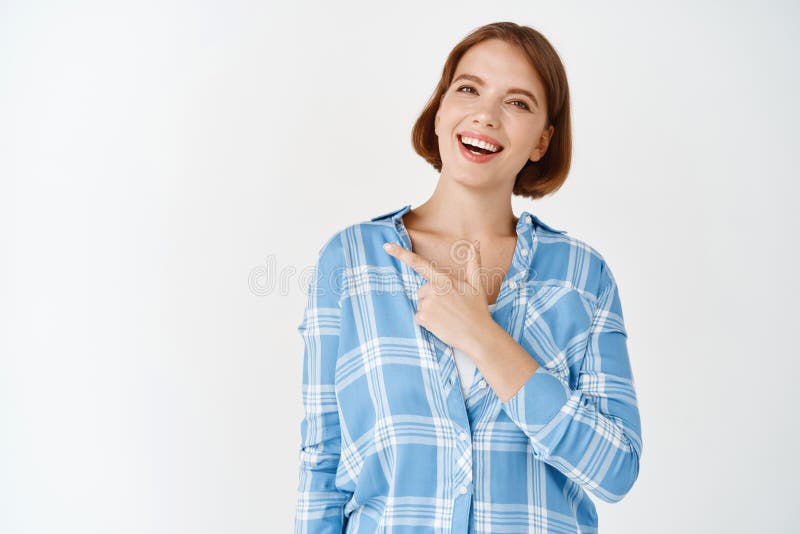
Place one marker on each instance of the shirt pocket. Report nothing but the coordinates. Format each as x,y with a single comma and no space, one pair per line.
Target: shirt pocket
556,329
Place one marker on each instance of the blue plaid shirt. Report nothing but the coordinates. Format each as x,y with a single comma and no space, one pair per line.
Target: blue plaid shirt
390,444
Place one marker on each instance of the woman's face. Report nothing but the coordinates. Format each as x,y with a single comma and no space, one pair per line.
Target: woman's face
497,94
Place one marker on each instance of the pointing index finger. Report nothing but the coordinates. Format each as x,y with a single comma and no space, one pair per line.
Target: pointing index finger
412,259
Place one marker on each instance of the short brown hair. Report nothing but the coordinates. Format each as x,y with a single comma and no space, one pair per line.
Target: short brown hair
537,178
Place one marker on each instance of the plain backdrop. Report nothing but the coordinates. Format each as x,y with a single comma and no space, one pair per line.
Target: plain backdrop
170,171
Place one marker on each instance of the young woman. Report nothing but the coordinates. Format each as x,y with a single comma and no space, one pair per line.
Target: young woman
472,376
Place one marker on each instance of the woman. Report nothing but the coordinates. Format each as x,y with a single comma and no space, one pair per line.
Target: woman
442,400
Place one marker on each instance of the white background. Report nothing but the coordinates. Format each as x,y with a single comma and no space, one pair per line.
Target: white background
162,160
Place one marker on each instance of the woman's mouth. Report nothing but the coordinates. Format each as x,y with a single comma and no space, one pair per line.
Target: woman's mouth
476,150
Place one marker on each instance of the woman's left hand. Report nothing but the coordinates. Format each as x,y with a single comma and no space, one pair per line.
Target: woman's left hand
455,310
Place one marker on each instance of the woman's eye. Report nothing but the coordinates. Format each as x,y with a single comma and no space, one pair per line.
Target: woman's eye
523,106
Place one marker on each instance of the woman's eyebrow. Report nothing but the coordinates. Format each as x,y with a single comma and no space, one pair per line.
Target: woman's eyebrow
477,80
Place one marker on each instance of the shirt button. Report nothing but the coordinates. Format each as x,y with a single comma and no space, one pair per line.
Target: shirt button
462,489
513,284
528,219
482,384
524,251
463,436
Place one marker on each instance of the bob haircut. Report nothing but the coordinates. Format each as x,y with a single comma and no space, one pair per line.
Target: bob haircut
537,178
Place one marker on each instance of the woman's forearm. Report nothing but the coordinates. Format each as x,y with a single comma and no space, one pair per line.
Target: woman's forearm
504,364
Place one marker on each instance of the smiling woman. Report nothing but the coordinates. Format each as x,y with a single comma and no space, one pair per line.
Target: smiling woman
437,399
534,98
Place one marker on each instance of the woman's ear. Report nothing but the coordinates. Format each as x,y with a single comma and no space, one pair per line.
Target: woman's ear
541,147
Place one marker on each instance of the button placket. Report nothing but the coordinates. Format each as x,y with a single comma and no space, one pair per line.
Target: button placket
520,262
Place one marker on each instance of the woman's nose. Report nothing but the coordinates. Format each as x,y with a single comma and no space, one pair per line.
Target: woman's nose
487,115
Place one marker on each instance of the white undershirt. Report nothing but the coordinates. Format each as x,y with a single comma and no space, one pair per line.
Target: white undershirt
465,365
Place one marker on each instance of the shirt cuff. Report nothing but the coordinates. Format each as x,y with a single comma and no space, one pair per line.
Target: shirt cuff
538,401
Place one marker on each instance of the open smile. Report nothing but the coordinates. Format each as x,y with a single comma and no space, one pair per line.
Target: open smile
476,149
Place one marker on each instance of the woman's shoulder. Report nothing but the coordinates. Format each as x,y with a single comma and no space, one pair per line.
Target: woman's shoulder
570,261
368,232
372,228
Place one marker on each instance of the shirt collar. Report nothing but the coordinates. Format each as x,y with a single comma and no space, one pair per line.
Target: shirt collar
541,223
393,215
527,230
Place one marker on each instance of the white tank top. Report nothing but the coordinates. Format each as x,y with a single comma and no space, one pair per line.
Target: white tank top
465,365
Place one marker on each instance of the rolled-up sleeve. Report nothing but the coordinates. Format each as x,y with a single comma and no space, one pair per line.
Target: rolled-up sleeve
592,434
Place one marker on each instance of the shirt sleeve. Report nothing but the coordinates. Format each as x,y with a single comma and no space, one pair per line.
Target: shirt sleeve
592,434
320,504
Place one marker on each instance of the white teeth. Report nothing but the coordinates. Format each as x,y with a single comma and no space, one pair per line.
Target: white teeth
478,143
